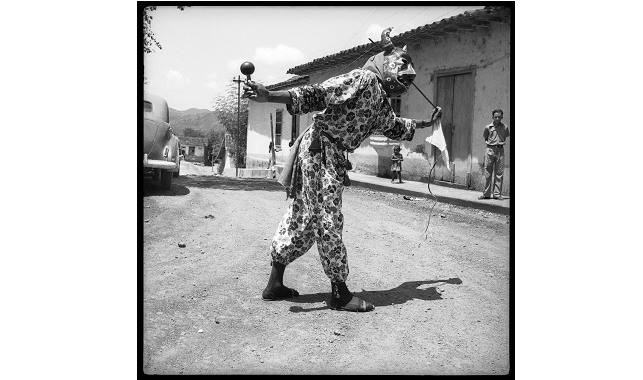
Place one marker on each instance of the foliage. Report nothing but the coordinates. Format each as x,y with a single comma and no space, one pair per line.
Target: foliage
227,106
215,139
191,132
149,40
202,120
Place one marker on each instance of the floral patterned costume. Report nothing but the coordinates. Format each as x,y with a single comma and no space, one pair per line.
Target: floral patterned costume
352,106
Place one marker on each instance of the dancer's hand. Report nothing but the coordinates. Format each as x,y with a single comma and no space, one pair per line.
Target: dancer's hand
255,91
437,113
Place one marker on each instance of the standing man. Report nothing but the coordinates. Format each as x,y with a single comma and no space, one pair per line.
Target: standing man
494,135
348,108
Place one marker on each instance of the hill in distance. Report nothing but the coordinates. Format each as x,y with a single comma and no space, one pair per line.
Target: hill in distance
194,118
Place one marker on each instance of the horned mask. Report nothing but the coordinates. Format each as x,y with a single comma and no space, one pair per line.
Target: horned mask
397,68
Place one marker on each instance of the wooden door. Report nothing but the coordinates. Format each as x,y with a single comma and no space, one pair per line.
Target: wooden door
455,96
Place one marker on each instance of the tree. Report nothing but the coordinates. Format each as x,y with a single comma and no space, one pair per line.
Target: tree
149,40
227,107
191,132
215,139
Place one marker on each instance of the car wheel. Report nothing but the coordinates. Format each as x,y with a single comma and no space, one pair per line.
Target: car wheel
178,166
166,179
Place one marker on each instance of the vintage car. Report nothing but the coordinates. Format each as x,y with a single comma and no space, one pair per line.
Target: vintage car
161,148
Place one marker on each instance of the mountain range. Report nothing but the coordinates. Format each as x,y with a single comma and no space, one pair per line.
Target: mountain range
195,118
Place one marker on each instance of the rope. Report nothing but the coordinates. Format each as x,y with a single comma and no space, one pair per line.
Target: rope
434,197
436,161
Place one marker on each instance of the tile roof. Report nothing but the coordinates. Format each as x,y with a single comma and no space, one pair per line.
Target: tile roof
290,82
465,21
193,141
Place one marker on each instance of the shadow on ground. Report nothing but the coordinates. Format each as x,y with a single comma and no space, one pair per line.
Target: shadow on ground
153,188
408,291
181,185
230,183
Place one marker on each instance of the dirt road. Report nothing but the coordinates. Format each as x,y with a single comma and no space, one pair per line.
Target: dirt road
441,304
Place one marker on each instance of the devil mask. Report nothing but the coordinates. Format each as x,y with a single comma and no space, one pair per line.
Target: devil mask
394,67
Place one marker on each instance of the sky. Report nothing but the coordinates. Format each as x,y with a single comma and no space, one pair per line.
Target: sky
204,46
70,230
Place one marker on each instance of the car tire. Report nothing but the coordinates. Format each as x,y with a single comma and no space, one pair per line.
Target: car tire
166,179
178,168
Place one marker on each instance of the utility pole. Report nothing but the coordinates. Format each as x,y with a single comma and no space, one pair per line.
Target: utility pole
236,164
247,68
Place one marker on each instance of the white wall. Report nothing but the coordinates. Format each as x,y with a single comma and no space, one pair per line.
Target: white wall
485,50
259,131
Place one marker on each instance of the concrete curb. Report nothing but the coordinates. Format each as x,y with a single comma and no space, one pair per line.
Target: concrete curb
458,197
458,201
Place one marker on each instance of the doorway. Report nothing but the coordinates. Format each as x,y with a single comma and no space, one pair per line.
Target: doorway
455,96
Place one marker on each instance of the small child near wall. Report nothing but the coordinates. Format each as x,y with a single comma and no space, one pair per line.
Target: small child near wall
396,166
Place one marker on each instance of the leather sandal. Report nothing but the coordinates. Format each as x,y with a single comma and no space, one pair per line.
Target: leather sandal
355,304
279,294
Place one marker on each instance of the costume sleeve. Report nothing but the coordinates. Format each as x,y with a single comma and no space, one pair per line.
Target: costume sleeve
336,90
306,99
398,128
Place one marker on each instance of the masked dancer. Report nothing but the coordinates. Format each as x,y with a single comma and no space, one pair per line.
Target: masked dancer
348,108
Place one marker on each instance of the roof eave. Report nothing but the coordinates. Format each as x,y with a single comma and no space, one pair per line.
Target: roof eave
467,21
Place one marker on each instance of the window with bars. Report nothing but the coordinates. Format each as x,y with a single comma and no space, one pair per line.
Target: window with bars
396,104
278,123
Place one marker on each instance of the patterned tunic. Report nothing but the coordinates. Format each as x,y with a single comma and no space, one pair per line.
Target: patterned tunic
352,106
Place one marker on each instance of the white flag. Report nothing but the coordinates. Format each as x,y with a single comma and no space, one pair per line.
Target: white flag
436,138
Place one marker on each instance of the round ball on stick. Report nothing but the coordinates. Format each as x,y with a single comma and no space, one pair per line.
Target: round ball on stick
247,68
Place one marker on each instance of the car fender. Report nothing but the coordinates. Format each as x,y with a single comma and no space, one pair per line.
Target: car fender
175,151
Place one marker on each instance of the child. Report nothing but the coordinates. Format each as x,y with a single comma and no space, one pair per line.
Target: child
396,166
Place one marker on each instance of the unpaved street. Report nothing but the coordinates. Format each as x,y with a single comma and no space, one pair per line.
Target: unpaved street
441,304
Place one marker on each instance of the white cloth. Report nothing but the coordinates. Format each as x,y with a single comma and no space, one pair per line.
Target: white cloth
436,138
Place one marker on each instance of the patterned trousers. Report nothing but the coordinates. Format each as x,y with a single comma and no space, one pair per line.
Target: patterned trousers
493,170
315,215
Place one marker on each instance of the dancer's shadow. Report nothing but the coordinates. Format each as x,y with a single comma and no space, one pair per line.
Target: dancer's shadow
405,292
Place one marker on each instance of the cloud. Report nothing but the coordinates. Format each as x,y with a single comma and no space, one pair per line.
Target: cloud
211,81
175,77
279,55
276,78
270,63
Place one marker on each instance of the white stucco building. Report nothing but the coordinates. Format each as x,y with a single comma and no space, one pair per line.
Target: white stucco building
193,148
463,64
